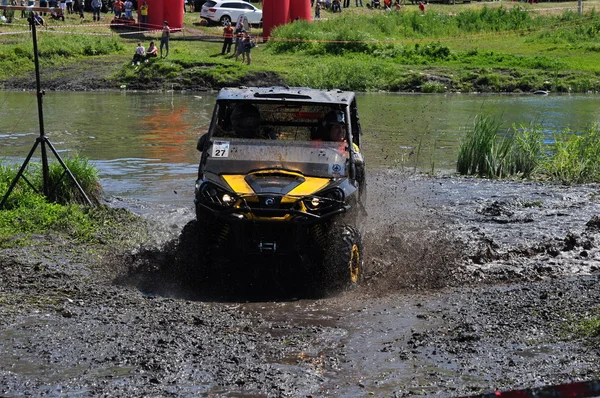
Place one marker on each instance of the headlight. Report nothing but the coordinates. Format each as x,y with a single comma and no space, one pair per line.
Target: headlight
325,200
213,194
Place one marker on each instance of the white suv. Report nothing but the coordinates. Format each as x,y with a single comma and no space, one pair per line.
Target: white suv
223,11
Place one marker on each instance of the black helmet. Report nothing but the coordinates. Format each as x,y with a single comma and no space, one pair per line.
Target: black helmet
245,120
335,117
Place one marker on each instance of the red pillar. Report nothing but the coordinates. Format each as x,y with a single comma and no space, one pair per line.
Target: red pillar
173,13
275,13
155,13
300,9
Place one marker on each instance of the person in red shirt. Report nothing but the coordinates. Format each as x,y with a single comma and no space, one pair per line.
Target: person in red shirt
118,8
228,38
422,7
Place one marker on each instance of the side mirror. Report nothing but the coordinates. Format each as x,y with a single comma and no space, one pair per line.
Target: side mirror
202,142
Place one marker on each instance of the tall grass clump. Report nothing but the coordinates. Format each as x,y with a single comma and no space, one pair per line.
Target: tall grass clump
570,159
64,191
27,211
574,158
482,153
528,149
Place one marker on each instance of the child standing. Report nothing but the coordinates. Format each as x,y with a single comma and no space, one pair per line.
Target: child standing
164,39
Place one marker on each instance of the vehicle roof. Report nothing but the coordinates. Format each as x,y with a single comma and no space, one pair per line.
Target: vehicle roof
231,1
287,94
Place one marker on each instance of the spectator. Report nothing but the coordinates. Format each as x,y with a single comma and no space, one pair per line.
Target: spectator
239,36
422,7
346,3
44,3
118,6
63,7
336,6
96,7
227,38
152,51
318,10
361,4
81,4
140,54
128,9
69,6
144,13
164,39
57,14
240,45
249,44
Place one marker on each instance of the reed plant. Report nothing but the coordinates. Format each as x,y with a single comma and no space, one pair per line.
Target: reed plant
574,157
528,149
571,158
481,152
28,212
62,189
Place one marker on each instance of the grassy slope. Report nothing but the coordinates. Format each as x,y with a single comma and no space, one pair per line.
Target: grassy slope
513,60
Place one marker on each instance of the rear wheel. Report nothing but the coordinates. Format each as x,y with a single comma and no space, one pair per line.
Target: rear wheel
225,19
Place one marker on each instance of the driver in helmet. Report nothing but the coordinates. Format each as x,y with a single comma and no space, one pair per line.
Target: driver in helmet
246,123
335,126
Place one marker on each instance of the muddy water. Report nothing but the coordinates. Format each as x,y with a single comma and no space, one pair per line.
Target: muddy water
381,339
144,143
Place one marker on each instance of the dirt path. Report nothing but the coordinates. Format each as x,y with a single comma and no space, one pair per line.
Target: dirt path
471,286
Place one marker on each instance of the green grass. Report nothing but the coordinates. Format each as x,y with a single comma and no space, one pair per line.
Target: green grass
575,158
480,47
590,327
28,212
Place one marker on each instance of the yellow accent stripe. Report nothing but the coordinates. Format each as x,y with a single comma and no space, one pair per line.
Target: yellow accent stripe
310,186
238,184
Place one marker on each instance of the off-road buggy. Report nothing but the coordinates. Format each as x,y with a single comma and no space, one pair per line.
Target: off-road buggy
270,184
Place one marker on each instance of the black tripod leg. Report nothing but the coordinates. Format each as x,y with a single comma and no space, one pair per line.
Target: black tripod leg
89,202
19,174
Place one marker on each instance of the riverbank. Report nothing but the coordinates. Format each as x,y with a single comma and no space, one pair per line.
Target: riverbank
485,47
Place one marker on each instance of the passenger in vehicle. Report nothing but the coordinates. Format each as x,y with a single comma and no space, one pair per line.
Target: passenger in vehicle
245,121
335,126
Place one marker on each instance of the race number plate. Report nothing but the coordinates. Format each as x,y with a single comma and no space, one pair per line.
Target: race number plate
220,149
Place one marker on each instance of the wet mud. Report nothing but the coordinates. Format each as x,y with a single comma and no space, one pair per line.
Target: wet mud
469,286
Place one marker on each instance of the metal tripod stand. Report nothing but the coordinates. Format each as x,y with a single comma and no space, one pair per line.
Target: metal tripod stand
42,140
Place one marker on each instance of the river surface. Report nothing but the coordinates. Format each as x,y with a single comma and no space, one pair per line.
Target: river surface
379,340
144,144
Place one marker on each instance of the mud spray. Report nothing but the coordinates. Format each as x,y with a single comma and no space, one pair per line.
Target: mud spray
407,247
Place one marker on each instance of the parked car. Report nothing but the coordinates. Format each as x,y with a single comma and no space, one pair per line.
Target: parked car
224,11
197,4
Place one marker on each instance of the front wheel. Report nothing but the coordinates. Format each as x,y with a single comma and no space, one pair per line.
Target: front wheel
225,19
343,258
